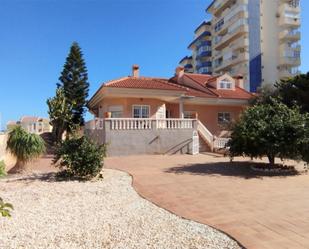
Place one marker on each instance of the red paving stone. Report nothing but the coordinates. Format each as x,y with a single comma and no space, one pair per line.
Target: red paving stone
261,212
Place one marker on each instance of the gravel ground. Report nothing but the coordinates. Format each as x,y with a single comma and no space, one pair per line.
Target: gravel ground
101,214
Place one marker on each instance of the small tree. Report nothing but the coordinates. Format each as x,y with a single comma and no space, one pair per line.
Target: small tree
25,147
74,80
271,130
80,157
60,114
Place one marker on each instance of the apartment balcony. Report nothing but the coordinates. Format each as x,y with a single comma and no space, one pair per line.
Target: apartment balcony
203,54
238,12
284,74
220,6
289,61
289,21
290,35
237,45
232,35
290,50
203,64
205,70
287,8
231,62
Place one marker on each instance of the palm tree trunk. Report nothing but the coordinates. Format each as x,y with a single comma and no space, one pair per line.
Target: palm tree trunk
271,160
19,168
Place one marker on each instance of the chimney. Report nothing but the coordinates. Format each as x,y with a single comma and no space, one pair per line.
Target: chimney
135,71
179,71
239,81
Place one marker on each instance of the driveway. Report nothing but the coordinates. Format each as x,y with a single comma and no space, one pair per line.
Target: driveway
262,212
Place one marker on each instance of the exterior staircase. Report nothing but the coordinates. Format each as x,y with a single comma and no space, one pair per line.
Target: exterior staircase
214,143
205,135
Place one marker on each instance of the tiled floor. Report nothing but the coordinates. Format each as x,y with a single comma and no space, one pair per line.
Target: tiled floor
261,212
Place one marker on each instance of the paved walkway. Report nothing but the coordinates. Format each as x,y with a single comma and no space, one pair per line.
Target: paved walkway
260,212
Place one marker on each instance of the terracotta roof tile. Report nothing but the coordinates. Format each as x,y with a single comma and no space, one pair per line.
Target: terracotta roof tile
196,87
144,83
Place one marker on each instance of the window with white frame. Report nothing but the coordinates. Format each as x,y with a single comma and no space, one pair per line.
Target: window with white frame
141,111
225,84
116,111
224,117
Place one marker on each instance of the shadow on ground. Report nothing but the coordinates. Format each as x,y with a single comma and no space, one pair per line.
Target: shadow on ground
233,169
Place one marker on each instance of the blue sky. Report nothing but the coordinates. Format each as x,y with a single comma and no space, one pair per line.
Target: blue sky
114,34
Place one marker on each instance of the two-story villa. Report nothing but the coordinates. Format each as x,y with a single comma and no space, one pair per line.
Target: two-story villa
183,114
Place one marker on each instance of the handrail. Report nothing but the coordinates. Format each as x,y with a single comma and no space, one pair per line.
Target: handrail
206,134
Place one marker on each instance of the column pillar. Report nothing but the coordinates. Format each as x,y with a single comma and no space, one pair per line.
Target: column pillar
181,114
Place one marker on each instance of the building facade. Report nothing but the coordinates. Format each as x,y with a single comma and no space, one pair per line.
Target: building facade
31,124
200,61
257,39
143,115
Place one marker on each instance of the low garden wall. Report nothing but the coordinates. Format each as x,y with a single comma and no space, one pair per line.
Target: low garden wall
123,142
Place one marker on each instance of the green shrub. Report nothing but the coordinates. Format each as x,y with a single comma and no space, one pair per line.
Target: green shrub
5,208
80,157
2,168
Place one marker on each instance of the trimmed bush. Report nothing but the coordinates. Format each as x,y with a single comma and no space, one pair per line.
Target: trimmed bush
80,157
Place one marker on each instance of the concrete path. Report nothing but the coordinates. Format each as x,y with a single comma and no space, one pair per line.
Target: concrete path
261,212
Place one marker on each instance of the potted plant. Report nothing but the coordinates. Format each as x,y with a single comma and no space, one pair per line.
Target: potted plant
108,114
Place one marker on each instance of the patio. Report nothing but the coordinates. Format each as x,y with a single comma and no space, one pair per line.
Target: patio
258,211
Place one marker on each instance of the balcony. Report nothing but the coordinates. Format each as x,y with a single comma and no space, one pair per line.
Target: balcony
290,35
203,64
236,31
238,12
287,8
220,6
289,20
205,70
203,54
289,61
232,61
284,74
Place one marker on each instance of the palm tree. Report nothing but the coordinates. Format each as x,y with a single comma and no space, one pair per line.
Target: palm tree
25,147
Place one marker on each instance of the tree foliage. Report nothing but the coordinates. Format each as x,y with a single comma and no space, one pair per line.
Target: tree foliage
60,114
80,157
24,146
295,92
272,130
74,80
5,208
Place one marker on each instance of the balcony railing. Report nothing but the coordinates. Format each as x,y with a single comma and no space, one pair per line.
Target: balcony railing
139,124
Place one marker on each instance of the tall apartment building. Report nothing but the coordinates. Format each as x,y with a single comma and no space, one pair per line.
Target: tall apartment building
200,61
258,39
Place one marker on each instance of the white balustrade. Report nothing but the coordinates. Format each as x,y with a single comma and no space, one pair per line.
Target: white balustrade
170,123
140,123
220,142
130,124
